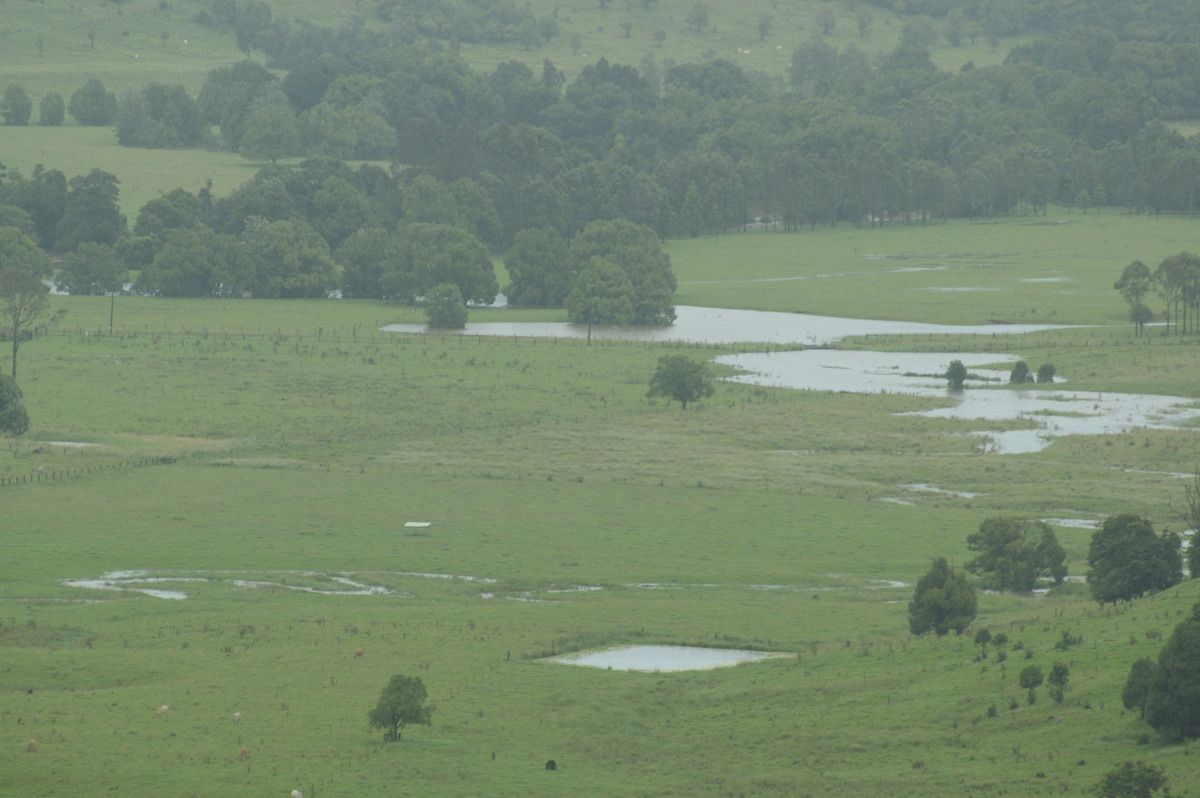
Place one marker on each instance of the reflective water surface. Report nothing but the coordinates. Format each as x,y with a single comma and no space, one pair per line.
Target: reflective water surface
663,658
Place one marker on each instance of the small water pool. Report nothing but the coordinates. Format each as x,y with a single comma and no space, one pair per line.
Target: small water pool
663,658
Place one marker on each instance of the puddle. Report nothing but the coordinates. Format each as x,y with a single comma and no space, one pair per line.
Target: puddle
71,444
664,658
921,487
137,581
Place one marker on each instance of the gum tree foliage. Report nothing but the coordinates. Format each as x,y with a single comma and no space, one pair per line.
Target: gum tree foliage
24,301
401,703
1137,687
1132,780
1173,702
682,379
1135,282
444,307
1126,559
943,601
1014,553
92,105
14,420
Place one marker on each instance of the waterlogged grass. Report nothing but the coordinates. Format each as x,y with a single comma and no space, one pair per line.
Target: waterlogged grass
250,453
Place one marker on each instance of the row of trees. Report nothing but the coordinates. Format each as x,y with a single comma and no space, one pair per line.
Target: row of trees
1176,281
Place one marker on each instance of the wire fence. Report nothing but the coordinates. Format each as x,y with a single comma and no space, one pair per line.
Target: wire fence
49,475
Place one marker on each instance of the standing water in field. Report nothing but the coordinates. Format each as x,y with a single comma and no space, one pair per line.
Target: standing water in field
663,658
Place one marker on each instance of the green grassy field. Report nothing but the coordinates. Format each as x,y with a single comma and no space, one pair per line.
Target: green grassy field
251,452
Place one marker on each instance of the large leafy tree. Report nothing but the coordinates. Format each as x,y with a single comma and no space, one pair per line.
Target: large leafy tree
52,109
365,257
92,270
14,420
1014,553
91,211
401,703
1131,780
288,260
539,267
24,300
92,105
15,105
196,262
680,378
636,250
159,115
1126,559
439,253
602,295
943,601
1136,691
1173,704
444,308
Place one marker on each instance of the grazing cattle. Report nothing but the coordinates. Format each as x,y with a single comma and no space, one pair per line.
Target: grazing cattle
297,794
31,747
358,652
162,711
244,753
551,765
237,716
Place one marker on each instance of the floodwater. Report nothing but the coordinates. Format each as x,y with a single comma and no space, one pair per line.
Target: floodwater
726,326
1052,413
664,658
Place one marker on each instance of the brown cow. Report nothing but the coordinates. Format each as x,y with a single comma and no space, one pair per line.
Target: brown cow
358,652
244,753
32,747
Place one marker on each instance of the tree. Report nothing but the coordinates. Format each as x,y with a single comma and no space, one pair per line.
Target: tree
1132,780
440,253
271,132
1059,676
159,116
444,307
697,18
1126,560
92,270
956,375
23,296
943,601
1137,687
539,267
91,211
1135,282
15,106
1014,553
680,378
401,703
1030,679
637,251
826,19
602,295
92,105
1046,372
288,260
1020,374
982,638
1173,704
51,109
14,421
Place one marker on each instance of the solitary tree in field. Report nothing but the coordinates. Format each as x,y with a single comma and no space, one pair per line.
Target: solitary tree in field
943,601
1030,679
956,375
1020,374
1059,676
23,295
680,378
401,703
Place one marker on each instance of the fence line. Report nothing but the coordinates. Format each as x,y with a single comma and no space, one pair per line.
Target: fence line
42,475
